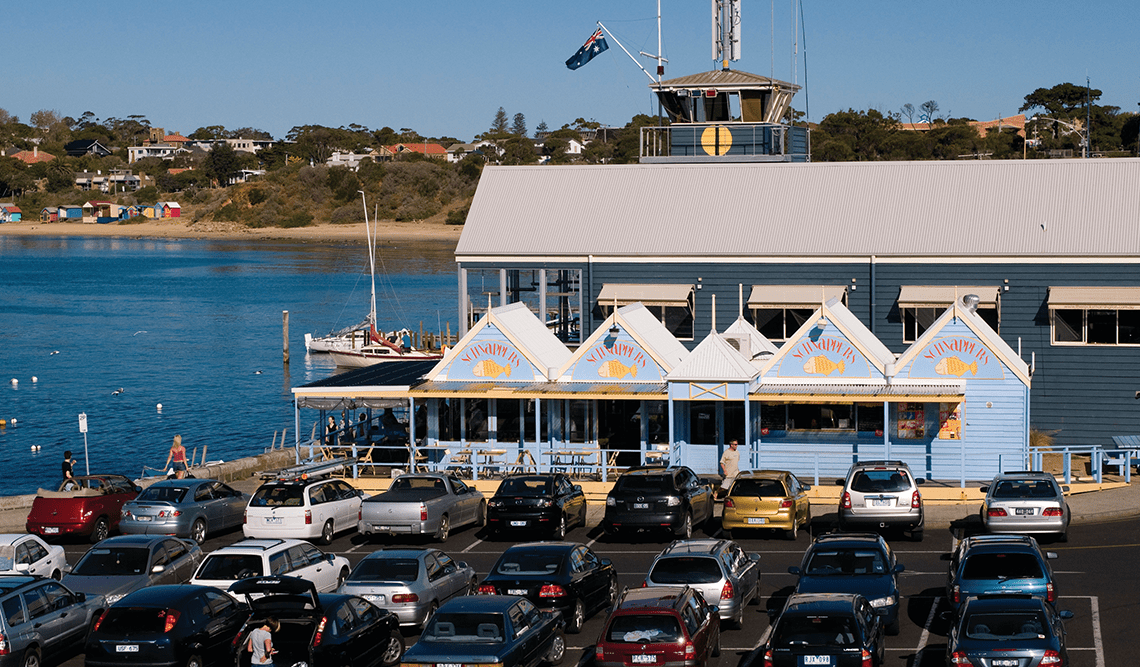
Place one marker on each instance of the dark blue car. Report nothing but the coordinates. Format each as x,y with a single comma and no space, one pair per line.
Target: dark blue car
1008,630
853,563
504,630
985,564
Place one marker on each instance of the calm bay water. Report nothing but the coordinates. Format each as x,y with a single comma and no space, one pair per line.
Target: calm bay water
193,325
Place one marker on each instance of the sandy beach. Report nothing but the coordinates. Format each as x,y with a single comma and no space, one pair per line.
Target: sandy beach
180,228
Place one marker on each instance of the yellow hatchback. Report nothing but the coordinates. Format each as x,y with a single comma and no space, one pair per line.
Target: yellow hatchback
767,499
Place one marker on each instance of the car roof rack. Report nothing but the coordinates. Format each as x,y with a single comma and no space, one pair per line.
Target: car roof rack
307,470
263,543
996,538
881,463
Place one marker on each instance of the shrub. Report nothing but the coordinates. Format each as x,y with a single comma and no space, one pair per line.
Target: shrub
458,216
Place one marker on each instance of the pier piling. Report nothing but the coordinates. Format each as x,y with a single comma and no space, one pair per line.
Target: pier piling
285,336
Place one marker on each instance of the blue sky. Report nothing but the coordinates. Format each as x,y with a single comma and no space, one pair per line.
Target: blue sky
444,68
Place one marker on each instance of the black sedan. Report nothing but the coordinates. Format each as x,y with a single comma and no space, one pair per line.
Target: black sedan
853,563
1013,630
318,629
549,503
499,630
562,576
167,625
840,630
655,498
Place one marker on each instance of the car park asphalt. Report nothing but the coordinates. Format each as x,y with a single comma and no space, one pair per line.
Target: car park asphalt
1095,571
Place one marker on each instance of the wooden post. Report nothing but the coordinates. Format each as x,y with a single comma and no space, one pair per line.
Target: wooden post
421,334
447,341
285,336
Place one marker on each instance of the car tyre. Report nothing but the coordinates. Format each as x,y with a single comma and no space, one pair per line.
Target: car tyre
557,652
101,530
615,592
194,661
894,628
794,532
481,518
393,650
685,532
57,575
340,578
444,529
327,532
715,652
577,618
32,658
582,516
560,530
431,612
198,531
916,535
1063,537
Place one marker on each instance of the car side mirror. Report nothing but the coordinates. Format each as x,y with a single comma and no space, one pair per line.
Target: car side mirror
361,493
754,557
794,570
578,488
985,489
806,487
899,567
840,482
462,565
82,597
1051,555
1065,614
23,567
138,489
158,568
1065,489
605,562
772,614
330,558
920,480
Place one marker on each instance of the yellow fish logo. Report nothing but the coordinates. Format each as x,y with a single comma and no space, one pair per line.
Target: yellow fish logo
821,365
616,369
489,369
955,366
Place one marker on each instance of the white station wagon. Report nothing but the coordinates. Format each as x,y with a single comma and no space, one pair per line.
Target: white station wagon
271,558
304,508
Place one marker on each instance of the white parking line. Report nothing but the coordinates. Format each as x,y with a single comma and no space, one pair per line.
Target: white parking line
471,546
1094,602
926,630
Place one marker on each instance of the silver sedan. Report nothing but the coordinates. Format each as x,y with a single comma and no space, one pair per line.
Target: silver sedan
184,508
1025,502
410,583
125,563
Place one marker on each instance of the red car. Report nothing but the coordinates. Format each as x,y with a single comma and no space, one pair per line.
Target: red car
87,506
662,625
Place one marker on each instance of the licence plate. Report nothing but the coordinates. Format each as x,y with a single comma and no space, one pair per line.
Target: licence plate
817,659
377,599
448,664
272,519
1023,511
516,591
126,648
641,506
877,502
382,528
761,519
641,659
517,524
51,530
1005,662
144,518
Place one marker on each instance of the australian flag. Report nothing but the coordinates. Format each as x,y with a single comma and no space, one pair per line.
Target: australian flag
593,46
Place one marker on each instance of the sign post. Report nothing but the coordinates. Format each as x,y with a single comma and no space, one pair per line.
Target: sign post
83,430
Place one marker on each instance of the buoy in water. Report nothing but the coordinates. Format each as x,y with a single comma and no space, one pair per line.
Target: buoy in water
3,422
15,382
35,379
35,448
159,406
13,421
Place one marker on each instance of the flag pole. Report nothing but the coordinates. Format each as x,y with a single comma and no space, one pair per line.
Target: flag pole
622,46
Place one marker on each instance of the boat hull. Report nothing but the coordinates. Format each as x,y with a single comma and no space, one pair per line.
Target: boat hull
361,358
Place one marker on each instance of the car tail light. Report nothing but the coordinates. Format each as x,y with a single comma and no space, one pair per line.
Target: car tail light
768,658
487,589
728,504
690,651
916,500
360,515
644,583
867,662
171,620
320,631
245,516
405,597
6,648
1053,511
308,517
956,595
98,622
846,502
1051,657
169,513
995,511
551,591
423,512
786,504
726,592
959,658
672,501
599,654
1050,592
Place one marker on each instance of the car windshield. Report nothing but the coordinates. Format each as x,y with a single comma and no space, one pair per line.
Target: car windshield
879,481
645,484
685,570
279,495
1005,626
1002,566
1024,488
758,488
133,620
7,557
386,569
229,567
457,627
827,562
112,562
163,494
530,563
524,486
645,629
796,630
409,483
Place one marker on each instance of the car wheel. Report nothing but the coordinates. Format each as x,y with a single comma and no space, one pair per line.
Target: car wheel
198,531
444,529
32,658
431,612
715,652
685,532
101,530
472,587
481,519
57,575
916,535
194,661
557,652
893,628
794,531
615,591
327,532
577,618
582,516
340,578
393,650
560,529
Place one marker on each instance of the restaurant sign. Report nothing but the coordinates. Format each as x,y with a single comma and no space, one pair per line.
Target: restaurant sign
490,360
616,360
824,357
953,357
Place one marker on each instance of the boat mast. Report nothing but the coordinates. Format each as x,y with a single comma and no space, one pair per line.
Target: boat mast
371,236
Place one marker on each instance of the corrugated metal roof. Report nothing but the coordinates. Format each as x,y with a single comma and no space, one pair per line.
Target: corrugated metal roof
654,295
727,78
525,328
653,335
760,342
941,296
793,296
390,374
859,334
714,360
1094,297
459,389
858,392
1050,208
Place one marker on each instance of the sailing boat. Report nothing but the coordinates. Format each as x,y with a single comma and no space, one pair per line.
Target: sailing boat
379,348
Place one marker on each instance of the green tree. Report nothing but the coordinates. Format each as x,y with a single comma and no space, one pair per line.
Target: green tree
929,110
519,150
1064,100
222,164
541,130
209,133
499,125
518,127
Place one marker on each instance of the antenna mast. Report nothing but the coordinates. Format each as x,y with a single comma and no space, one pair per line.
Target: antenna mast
725,31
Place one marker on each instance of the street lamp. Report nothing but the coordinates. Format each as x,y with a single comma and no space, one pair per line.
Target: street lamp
1072,129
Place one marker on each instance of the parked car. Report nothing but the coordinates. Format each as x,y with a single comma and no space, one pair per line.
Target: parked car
499,630
86,506
658,498
881,494
28,554
985,564
853,563
1026,502
774,499
564,576
184,508
836,629
1008,630
318,629
42,618
728,578
125,563
167,625
548,503
666,625
272,558
423,504
411,583
302,507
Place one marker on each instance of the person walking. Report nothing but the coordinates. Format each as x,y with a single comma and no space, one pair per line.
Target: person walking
177,457
260,642
68,462
729,466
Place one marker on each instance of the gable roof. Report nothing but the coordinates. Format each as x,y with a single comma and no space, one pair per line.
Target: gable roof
522,329
630,341
427,149
33,157
959,313
713,359
832,339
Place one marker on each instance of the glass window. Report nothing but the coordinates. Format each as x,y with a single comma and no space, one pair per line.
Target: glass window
1096,326
13,611
386,569
1128,322
365,610
279,563
686,570
1100,327
36,602
312,554
233,566
869,417
220,604
1068,326
649,628
774,416
820,417
780,323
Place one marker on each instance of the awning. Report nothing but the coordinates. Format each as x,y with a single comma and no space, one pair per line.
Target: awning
860,393
383,385
462,389
591,390
794,296
651,295
1094,297
942,296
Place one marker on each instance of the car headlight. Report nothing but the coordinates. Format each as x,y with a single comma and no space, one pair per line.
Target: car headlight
495,503
112,599
672,501
884,602
610,502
